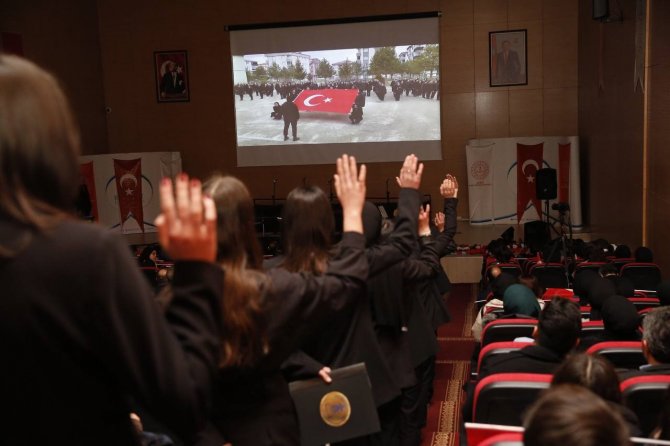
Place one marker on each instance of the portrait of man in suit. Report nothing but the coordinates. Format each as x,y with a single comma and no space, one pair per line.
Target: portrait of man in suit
171,76
508,58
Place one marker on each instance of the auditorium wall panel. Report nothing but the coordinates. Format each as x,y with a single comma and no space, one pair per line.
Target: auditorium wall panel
659,135
63,37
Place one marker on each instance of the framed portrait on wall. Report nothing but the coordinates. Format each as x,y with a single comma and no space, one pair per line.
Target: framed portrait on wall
508,58
172,83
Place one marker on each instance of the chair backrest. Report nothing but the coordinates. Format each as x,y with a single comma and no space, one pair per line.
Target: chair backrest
589,328
644,395
585,266
585,310
644,302
550,293
622,354
510,268
550,275
645,276
621,262
477,433
502,330
507,439
503,397
497,348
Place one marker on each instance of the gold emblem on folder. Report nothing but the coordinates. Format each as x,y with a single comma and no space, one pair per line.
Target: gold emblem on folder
335,409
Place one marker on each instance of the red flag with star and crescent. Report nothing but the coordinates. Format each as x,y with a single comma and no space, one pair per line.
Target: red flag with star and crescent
329,100
528,162
128,177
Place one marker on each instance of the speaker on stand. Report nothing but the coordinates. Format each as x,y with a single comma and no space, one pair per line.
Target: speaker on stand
546,187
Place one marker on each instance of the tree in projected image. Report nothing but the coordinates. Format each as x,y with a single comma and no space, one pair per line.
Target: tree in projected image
298,71
346,70
274,71
429,60
325,69
385,62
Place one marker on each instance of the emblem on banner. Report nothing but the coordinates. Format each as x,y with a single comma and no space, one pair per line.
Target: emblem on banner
335,409
479,171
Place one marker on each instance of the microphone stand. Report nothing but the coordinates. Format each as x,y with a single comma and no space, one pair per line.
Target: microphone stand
274,190
388,195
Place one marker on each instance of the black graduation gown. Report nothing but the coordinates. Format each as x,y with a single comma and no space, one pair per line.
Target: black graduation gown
252,406
349,337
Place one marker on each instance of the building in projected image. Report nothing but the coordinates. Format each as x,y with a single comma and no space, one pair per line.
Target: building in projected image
288,60
363,56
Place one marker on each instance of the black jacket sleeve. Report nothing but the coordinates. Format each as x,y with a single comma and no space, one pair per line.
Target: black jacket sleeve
400,243
168,366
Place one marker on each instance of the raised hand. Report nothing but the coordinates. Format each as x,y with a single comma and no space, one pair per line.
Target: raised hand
439,221
410,173
350,190
187,222
449,187
424,220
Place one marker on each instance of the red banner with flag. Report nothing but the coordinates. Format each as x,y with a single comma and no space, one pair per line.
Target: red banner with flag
564,173
88,179
128,177
330,100
528,162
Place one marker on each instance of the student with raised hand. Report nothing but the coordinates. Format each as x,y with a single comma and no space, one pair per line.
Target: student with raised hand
351,336
267,315
79,330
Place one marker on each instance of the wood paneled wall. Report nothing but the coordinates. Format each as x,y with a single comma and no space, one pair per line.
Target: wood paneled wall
659,134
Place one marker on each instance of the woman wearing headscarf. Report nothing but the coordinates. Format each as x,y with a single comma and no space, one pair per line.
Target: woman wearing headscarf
621,322
599,291
498,287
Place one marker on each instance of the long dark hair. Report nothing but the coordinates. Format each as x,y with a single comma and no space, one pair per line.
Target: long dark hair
308,226
244,338
39,148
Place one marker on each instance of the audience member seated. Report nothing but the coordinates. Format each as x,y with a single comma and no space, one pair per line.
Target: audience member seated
599,376
557,333
644,255
582,285
498,287
599,291
663,293
655,344
622,285
621,322
622,252
573,415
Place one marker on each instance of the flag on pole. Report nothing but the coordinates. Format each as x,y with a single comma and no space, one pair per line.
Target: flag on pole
529,161
330,100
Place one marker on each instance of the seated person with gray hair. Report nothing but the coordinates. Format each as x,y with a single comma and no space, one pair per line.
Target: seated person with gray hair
655,344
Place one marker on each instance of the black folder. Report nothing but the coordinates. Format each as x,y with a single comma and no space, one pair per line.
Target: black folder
337,411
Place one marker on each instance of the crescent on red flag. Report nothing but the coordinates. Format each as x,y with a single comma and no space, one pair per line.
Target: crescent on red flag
128,178
528,162
331,100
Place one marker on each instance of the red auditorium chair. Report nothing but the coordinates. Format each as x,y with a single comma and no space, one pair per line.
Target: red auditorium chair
621,262
503,397
478,433
550,293
642,303
508,439
644,396
622,354
585,266
645,276
550,275
497,348
502,330
589,328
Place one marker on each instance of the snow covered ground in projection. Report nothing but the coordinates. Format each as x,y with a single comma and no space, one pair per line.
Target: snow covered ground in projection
410,119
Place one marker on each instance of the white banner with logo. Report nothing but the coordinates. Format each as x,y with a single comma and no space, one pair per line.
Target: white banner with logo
502,178
123,188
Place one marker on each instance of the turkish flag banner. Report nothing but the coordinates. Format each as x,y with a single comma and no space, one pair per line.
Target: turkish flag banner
88,179
128,177
528,162
330,100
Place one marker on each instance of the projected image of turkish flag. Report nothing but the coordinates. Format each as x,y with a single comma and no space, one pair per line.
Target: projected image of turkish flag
330,100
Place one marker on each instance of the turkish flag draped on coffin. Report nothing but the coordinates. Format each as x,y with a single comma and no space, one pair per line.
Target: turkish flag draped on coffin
529,161
330,100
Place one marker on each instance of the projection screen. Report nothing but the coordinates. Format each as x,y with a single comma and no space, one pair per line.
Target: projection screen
368,88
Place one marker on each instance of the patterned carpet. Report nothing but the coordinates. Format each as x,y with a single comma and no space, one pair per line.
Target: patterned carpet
452,369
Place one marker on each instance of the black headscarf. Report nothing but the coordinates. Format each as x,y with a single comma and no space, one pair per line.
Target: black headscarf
372,223
582,284
599,291
501,283
663,292
620,318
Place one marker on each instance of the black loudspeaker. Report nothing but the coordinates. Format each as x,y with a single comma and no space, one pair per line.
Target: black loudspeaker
536,235
601,9
545,184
